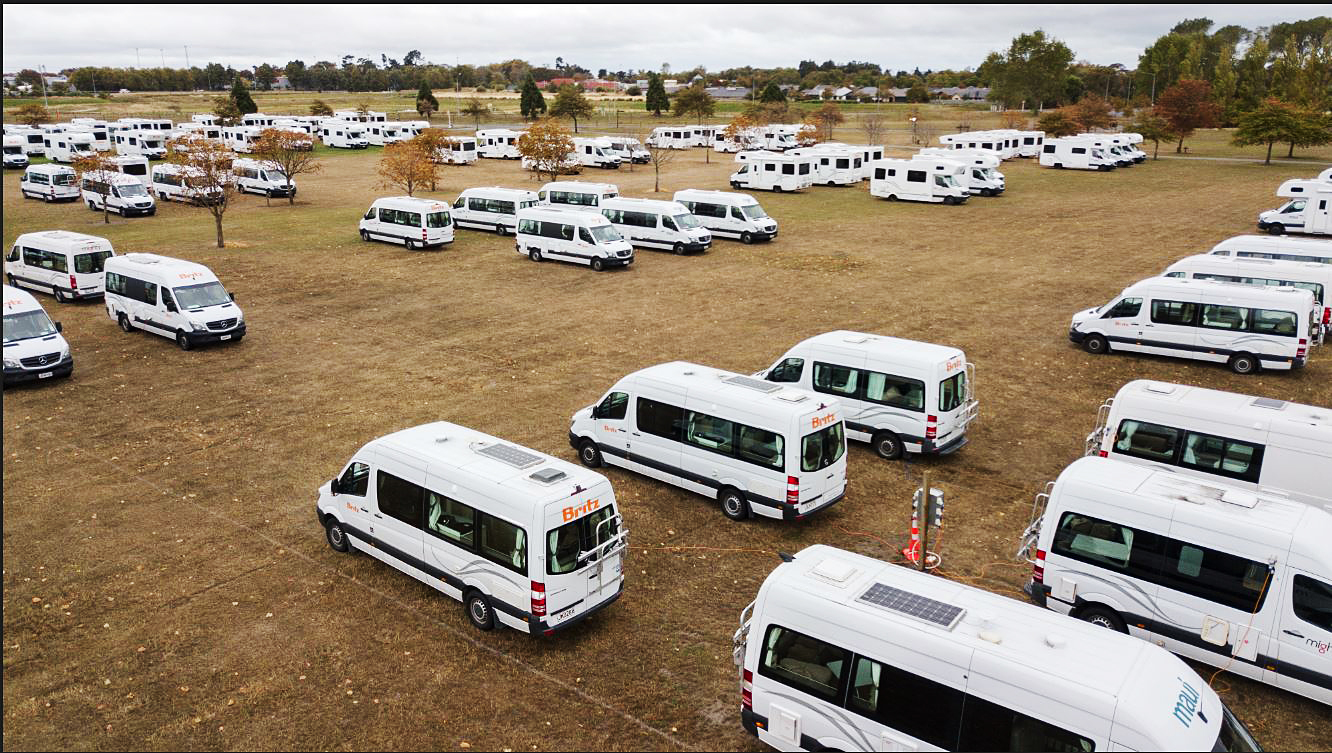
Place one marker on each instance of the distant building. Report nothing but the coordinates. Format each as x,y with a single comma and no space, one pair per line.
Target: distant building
729,92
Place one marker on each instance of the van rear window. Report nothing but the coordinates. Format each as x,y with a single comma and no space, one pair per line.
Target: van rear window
86,264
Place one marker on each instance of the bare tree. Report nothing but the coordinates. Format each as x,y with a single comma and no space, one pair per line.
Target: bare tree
659,157
875,127
206,169
288,151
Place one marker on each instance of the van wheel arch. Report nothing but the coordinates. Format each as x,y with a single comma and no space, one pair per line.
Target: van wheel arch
336,534
746,237
589,454
1245,363
733,503
598,265
183,340
1102,616
479,610
1096,344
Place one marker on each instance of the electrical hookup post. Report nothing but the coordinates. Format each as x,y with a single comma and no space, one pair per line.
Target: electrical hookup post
926,512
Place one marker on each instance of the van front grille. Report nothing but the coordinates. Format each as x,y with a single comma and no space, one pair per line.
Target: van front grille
222,325
38,361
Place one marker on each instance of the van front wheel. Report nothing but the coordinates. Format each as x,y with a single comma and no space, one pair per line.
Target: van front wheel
1276,228
598,265
124,323
679,249
888,445
1243,363
534,254
365,236
734,505
1102,617
479,611
746,237
1096,345
183,341
589,453
337,537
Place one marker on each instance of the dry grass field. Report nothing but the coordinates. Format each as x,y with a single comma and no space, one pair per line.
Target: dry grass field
166,585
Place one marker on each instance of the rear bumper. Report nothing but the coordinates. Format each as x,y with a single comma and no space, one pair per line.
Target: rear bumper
928,447
55,371
541,629
1037,592
790,514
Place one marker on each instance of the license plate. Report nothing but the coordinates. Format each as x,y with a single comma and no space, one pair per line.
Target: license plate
562,616
45,374
225,337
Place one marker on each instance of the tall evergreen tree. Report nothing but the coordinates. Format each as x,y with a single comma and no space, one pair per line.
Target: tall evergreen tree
425,100
531,103
772,93
240,97
656,95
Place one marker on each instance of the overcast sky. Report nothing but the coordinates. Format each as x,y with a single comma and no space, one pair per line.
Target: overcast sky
616,36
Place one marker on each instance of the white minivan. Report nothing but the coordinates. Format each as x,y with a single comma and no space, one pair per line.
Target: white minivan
755,447
577,194
1228,577
49,183
415,223
567,234
523,539
64,264
1275,247
729,215
1247,327
492,208
262,177
173,298
898,395
1309,275
120,193
649,223
34,348
840,651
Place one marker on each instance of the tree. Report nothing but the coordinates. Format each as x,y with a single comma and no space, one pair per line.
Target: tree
435,142
532,104
546,145
406,166
1034,70
1314,129
1057,123
634,91
426,104
918,94
875,127
741,131
659,157
826,119
207,168
656,96
264,76
1091,113
476,109
290,152
225,110
1153,128
319,107
695,101
101,168
1272,122
570,103
240,97
1187,106
763,113
772,93
32,115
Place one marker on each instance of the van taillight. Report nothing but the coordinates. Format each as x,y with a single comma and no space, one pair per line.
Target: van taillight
538,599
792,490
74,284
747,690
931,427
1327,315
1103,454
1303,350
1038,568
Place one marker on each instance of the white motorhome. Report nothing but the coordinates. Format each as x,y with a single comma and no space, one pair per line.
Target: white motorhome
173,298
258,120
929,180
1261,444
492,208
629,149
833,165
34,348
1030,143
671,137
1112,148
207,119
1075,153
49,183
34,139
1214,573
1124,143
462,150
650,223
755,447
150,144
898,395
577,194
984,178
64,264
729,215
135,166
523,539
770,171
383,134
779,137
414,222
1247,327
341,134
868,154
840,651
14,154
264,178
196,130
241,139
101,138
1310,275
744,140
568,234
68,146
498,143
182,183
355,116
123,194
1307,211
596,152
1003,143
1272,247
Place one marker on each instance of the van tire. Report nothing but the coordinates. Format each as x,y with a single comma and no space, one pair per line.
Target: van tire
888,445
365,235
598,265
735,184
336,536
59,295
92,206
747,238
733,504
500,231
1244,363
1096,345
679,249
479,611
182,341
776,189
589,454
410,244
124,323
535,255
1103,617
1276,228
892,197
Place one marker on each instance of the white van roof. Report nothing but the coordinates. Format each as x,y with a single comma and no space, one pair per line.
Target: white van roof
1274,244
1313,271
735,390
168,270
649,205
563,214
882,346
64,240
114,177
412,202
516,193
717,197
579,185
1212,290
50,168
17,301
1292,419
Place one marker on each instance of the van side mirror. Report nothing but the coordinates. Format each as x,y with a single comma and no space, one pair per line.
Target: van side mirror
170,305
233,296
59,327
335,486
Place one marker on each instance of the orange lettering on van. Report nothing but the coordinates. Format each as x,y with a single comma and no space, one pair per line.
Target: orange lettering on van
571,513
821,421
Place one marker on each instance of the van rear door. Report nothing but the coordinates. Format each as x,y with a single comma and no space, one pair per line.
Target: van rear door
819,461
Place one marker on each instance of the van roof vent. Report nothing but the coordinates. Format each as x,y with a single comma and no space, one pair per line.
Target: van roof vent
834,570
548,475
1241,498
791,396
753,384
906,603
856,339
510,455
1267,402
1161,388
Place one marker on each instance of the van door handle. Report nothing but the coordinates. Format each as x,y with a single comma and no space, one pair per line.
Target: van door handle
377,515
1293,633
636,434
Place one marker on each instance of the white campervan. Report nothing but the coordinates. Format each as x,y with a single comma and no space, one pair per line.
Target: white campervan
1076,153
173,298
650,223
523,539
919,179
64,264
729,215
840,651
1244,326
68,146
577,194
898,395
629,149
671,137
498,143
462,150
258,119
492,208
1307,212
383,134
34,348
833,165
49,183
101,137
1274,247
413,222
1215,573
1257,443
197,130
1309,275
34,143
119,193
261,177
150,144
984,179
595,152
567,234
770,171
133,165
342,134
755,447
241,139
14,155
182,183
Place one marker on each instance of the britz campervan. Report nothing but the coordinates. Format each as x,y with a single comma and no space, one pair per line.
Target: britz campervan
918,180
770,171
49,183
1258,443
261,177
1310,275
498,143
68,146
898,395
492,208
833,165
567,234
459,150
150,144
183,183
840,651
1215,573
66,265
120,193
985,178
14,156
1275,247
729,215
413,222
342,134
596,152
133,165
650,223
1307,212
173,298
241,139
523,539
577,194
34,348
756,447
1076,153
1247,327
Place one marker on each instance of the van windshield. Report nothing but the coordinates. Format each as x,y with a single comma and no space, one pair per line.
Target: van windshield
754,212
437,219
687,221
90,264
605,234
564,544
1234,736
131,189
199,296
822,448
27,324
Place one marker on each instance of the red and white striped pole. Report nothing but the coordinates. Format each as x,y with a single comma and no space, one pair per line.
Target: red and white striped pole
912,552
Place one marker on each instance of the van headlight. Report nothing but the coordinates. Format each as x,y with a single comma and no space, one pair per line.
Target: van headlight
64,352
11,363
198,327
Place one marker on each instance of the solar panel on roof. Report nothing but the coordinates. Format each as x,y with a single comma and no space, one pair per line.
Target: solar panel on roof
753,384
1267,402
507,453
913,605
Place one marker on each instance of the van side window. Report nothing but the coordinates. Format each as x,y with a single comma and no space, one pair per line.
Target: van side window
709,432
915,176
1127,307
1225,317
1095,540
504,543
584,235
896,391
398,498
912,704
803,662
1149,441
1224,457
989,726
614,407
1215,576
355,480
835,380
1282,323
787,371
1174,312
149,293
659,419
450,520
1313,601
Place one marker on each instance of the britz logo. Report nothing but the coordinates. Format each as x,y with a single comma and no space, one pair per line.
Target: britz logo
821,421
1187,703
953,364
190,275
574,512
